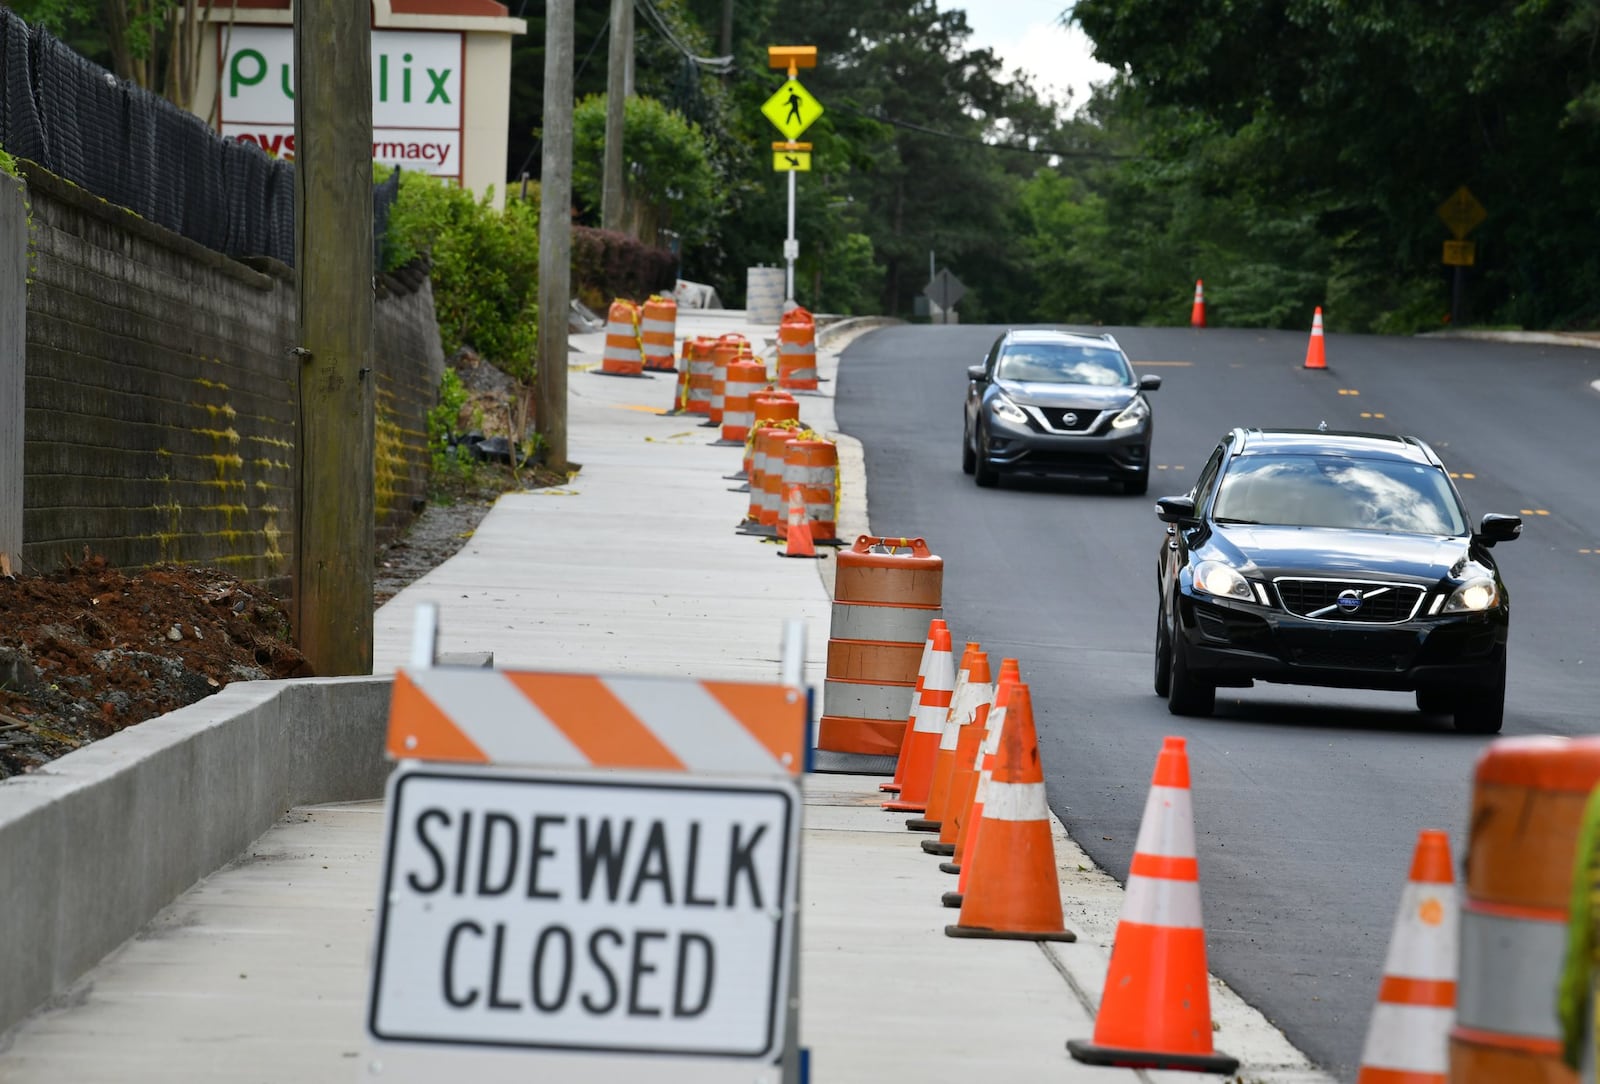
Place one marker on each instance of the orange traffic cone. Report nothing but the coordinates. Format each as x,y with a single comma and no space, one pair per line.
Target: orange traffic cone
799,542
1197,315
1316,356
911,717
934,705
941,759
1155,1012
968,820
970,722
1015,892
1408,1037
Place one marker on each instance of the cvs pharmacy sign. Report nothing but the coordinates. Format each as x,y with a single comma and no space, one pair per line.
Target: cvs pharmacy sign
416,94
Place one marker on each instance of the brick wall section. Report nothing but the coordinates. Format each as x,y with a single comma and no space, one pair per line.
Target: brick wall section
161,402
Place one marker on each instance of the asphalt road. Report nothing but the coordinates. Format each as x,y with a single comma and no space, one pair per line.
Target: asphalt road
1308,801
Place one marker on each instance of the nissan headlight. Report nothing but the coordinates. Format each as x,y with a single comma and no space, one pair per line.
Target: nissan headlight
1135,413
1474,596
1006,409
1216,578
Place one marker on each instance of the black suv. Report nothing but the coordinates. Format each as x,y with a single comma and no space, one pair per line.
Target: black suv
1335,559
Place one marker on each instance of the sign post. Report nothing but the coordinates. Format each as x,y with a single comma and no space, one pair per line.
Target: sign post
588,878
1462,213
792,110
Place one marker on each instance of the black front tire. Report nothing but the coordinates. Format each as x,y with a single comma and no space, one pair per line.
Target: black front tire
1163,675
982,472
1483,711
968,458
1188,694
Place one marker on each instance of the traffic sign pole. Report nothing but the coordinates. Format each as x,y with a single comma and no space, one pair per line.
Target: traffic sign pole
791,246
791,110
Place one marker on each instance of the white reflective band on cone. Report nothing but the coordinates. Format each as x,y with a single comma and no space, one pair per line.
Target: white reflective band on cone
863,700
1509,968
868,621
1016,802
1158,901
1167,829
930,719
1408,1038
1421,949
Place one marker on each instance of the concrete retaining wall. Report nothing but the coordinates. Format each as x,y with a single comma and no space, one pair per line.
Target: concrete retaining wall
96,843
161,402
13,317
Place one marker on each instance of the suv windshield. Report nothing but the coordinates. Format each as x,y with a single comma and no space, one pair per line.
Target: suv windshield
1063,363
1335,491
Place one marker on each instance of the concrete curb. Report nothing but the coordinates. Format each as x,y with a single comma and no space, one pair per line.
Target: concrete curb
1548,338
94,845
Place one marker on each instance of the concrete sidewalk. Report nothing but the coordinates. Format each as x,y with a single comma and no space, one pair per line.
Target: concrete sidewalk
259,972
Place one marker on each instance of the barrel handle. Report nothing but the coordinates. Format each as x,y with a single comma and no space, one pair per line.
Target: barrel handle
873,544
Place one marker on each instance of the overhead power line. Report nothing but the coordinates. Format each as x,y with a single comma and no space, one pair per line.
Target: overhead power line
717,65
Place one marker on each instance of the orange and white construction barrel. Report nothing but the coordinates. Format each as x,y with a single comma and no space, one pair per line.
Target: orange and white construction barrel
622,355
744,379
701,371
727,349
658,333
813,465
886,591
1528,798
797,351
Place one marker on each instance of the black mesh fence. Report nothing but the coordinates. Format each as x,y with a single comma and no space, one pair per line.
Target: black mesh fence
138,150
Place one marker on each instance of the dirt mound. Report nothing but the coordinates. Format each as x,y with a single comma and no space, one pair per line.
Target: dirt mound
89,650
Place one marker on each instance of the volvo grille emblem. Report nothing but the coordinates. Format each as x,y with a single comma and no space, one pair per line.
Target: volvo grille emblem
1069,419
1350,601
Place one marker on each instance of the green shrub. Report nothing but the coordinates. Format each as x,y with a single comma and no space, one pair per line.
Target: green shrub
485,267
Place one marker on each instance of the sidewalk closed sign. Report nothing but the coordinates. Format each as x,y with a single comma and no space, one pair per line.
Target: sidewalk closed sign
596,913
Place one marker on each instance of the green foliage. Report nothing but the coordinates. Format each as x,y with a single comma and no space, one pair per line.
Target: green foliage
668,178
442,422
485,267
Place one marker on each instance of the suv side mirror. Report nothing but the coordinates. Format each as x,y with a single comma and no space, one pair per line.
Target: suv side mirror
1179,510
1149,382
1498,528
976,373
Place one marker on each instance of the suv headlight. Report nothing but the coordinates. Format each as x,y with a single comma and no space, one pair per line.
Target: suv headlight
1474,596
1006,409
1133,414
1216,578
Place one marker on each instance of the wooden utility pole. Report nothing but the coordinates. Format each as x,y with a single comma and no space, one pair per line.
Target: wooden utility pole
727,28
619,84
334,547
555,232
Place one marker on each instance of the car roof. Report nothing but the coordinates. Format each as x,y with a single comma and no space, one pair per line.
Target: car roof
1049,335
1334,442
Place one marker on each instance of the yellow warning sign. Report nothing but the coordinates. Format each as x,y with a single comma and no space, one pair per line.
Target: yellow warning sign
792,109
791,157
1460,253
1462,212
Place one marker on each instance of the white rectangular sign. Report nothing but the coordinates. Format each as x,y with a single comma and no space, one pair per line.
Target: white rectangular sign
416,94
605,912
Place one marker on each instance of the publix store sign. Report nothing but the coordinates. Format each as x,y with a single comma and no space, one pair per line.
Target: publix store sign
416,94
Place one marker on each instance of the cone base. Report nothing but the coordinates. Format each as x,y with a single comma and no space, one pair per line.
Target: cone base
986,933
805,556
906,807
923,824
631,376
1093,1054
933,846
949,867
952,899
889,788
726,444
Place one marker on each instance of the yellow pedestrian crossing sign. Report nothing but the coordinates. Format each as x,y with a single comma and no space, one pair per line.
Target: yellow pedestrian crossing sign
791,157
792,109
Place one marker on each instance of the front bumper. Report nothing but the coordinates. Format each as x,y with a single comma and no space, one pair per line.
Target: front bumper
1015,448
1233,645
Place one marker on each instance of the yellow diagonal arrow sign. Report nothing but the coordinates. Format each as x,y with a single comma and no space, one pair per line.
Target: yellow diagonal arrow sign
792,109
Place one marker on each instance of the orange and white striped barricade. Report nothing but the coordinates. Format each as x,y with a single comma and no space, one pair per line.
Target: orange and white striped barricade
658,333
813,465
797,351
762,440
725,351
589,878
744,378
701,373
886,594
1528,797
772,510
622,355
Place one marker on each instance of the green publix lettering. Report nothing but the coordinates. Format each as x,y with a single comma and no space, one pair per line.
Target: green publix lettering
249,68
